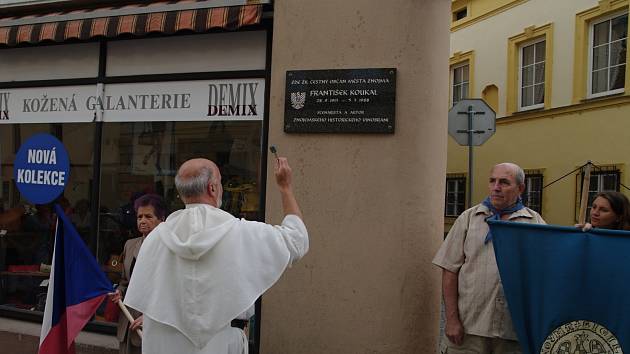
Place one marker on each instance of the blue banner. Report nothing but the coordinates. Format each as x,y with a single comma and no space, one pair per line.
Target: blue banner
568,291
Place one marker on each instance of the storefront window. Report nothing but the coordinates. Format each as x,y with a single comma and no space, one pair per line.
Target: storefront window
27,231
136,158
142,157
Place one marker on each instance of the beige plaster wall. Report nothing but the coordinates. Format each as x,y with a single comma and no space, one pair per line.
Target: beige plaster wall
373,203
489,41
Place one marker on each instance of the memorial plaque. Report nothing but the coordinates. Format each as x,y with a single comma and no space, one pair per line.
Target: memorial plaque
340,101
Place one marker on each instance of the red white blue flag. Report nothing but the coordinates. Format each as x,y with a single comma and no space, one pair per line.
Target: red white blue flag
76,288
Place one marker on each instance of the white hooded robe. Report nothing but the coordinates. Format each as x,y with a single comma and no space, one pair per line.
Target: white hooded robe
200,269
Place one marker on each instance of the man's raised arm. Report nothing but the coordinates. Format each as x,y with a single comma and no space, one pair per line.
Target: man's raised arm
284,179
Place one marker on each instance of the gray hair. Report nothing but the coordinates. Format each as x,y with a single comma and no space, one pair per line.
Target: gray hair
519,174
189,187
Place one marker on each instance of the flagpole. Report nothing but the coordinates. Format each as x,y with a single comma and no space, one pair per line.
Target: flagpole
585,188
75,304
129,317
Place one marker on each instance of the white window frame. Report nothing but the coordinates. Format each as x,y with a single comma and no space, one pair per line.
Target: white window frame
528,192
591,29
599,177
455,192
520,73
453,68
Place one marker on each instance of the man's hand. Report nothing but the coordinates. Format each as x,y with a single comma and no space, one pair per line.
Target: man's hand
284,175
284,179
584,227
137,323
454,331
115,297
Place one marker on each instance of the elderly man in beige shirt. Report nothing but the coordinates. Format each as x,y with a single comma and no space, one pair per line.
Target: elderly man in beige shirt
477,317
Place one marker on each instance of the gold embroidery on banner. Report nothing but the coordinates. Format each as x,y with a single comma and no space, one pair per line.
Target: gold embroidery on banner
584,337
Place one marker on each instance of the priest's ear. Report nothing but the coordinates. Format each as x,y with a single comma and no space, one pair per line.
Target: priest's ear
212,189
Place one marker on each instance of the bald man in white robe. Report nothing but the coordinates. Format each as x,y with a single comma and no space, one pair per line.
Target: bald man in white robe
202,267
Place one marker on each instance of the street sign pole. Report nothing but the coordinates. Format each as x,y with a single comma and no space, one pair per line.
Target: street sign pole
470,156
470,131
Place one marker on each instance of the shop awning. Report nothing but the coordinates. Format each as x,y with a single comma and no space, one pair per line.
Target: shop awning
165,17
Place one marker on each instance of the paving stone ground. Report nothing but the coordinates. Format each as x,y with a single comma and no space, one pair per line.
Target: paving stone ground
14,343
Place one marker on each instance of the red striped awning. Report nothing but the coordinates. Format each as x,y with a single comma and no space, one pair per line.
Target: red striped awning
104,22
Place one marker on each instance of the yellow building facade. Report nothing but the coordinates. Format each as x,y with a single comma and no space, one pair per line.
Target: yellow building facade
555,73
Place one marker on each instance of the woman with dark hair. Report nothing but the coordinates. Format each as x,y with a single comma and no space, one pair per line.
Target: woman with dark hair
610,210
150,211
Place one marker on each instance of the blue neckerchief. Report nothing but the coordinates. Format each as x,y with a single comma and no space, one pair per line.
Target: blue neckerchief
496,214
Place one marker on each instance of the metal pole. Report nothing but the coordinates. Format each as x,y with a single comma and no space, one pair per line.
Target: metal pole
586,182
470,155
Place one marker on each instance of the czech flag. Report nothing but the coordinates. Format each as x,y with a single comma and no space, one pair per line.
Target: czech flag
76,288
568,291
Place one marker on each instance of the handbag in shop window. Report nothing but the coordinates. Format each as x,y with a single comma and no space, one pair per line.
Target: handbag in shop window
114,264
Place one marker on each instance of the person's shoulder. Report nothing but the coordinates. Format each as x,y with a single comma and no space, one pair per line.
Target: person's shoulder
132,241
261,226
242,222
531,212
533,215
465,218
474,210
